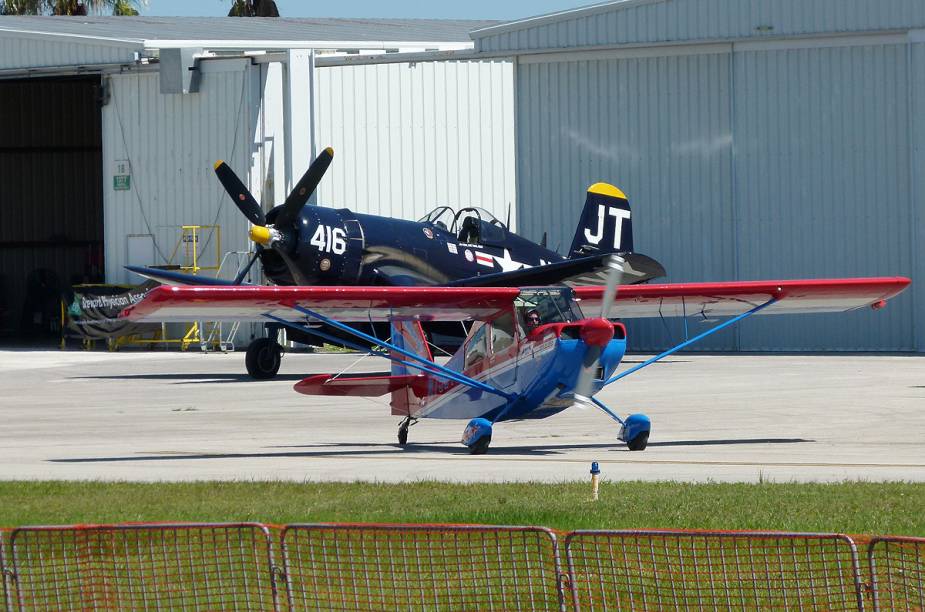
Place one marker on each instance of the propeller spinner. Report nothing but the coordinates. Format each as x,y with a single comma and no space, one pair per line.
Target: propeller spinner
281,235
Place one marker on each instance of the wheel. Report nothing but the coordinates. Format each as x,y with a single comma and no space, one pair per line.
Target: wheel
402,435
263,358
639,442
480,447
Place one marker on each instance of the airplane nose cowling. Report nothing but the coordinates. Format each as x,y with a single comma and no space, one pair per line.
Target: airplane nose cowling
597,332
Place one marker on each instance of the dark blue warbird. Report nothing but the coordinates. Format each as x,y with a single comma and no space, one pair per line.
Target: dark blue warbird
314,245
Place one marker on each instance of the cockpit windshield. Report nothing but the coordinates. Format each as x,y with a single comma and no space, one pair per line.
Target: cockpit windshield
446,218
544,305
441,217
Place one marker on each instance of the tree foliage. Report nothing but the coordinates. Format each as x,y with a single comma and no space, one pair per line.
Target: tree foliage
70,7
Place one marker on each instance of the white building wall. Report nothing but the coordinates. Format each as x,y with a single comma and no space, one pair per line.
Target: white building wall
658,125
758,160
172,142
822,184
411,136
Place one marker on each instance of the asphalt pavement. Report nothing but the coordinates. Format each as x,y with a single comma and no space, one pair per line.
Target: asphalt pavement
157,416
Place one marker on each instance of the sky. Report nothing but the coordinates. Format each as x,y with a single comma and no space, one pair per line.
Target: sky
425,9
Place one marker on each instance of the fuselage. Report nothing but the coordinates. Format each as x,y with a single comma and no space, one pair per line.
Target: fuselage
542,370
341,247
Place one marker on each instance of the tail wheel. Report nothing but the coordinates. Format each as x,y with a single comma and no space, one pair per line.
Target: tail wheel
263,358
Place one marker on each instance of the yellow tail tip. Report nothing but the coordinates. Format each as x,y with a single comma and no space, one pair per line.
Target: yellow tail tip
608,190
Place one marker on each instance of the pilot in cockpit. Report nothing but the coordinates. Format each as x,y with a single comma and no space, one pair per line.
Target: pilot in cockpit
532,319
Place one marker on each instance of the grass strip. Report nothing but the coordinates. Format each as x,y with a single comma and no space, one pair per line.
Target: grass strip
850,507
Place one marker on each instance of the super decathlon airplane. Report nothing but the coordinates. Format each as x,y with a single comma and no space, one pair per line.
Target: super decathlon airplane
532,352
312,245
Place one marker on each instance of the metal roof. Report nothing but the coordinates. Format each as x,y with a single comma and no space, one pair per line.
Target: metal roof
231,32
645,22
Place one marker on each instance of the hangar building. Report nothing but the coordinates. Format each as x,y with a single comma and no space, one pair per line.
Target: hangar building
755,138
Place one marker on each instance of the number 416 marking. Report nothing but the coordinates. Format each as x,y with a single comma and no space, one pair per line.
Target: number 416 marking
330,239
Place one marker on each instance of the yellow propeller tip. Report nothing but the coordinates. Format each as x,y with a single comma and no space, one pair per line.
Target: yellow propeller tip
217,164
330,151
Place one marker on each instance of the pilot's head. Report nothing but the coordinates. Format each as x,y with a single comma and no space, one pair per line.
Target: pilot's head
532,319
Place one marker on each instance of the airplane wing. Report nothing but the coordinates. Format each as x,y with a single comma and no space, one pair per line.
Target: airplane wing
638,268
733,298
346,304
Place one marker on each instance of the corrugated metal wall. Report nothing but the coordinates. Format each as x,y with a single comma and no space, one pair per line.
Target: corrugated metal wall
411,136
35,52
823,184
917,104
172,142
759,164
695,20
657,127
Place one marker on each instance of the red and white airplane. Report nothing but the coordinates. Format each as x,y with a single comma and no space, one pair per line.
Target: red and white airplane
532,351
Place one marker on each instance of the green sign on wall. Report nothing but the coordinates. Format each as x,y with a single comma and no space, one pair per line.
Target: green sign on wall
122,182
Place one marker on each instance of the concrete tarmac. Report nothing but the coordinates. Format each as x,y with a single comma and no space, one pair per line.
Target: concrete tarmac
154,416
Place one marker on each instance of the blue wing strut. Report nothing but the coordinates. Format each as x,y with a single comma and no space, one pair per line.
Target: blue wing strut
423,364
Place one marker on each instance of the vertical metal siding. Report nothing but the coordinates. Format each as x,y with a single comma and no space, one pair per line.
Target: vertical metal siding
917,115
172,142
693,20
823,185
412,136
28,52
660,129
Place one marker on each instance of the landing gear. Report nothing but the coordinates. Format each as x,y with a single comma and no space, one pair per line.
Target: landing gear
403,430
263,358
635,431
477,436
639,442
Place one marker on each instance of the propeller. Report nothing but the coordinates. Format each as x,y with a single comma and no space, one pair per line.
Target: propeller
279,236
597,332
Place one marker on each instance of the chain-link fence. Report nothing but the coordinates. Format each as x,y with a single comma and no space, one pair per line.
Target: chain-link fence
654,570
897,573
143,567
369,567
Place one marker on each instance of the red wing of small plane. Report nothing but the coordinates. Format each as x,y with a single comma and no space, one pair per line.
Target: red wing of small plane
502,372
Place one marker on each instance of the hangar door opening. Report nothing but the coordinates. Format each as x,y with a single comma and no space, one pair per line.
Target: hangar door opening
51,202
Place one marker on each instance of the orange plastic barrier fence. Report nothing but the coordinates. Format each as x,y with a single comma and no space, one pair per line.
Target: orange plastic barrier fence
143,567
656,570
436,567
897,572
391,567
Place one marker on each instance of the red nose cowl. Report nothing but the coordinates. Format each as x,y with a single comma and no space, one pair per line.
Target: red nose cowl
597,332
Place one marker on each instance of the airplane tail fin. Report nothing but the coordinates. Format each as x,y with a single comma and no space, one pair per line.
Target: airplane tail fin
605,225
407,335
